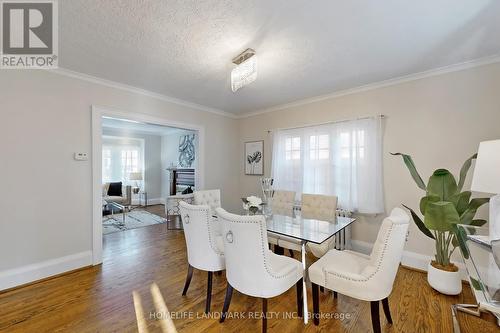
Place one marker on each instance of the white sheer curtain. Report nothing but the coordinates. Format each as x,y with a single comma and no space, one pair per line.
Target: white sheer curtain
342,159
120,157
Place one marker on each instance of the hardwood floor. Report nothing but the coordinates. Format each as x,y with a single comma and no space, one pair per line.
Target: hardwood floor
99,299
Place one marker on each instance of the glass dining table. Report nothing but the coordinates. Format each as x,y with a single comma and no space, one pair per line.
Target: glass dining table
305,231
482,261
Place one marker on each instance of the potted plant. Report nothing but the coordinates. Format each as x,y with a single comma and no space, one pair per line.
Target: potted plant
444,206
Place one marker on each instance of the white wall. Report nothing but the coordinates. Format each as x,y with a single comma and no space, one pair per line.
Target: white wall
439,120
46,201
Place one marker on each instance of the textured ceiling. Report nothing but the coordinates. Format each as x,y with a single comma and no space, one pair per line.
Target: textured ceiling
184,48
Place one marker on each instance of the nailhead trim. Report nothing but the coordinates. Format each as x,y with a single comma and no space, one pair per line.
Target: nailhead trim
263,249
207,221
325,272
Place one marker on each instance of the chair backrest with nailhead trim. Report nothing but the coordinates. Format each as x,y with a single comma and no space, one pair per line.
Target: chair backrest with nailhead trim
283,202
200,235
209,198
321,207
388,249
248,266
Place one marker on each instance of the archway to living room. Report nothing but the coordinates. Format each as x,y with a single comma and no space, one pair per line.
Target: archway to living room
140,164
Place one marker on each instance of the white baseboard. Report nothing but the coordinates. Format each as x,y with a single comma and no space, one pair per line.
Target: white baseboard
18,276
409,259
156,201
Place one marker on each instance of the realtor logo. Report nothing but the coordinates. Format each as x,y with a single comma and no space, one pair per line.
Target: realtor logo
29,34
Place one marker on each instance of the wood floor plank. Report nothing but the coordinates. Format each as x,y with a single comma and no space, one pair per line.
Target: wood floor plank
99,299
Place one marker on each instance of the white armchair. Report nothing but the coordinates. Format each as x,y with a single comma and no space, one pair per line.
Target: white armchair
204,245
251,268
209,198
125,199
172,203
368,278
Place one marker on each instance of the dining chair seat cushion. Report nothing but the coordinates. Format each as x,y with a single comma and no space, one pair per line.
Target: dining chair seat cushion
272,238
352,266
290,243
319,250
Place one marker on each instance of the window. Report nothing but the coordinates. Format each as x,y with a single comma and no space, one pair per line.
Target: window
130,161
292,149
120,157
106,164
320,147
342,159
352,143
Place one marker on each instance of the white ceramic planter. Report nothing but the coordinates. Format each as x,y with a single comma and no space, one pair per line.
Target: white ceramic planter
448,283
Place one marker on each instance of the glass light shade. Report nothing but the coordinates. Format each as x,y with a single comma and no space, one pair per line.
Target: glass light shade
243,74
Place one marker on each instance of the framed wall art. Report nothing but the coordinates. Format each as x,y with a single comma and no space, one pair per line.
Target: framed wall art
254,158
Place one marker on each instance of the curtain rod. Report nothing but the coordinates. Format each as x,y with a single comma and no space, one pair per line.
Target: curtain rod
325,123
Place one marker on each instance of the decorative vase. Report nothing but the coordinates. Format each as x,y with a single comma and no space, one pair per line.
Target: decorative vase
448,283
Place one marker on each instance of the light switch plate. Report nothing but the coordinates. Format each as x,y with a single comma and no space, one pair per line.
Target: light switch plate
81,157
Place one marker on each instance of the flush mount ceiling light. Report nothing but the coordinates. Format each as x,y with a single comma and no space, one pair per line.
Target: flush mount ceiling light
246,70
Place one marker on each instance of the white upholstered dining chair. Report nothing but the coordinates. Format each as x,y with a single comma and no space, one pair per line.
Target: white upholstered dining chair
314,206
251,268
209,198
205,250
368,278
283,202
320,207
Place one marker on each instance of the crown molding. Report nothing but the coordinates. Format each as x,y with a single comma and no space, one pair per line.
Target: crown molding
376,85
136,90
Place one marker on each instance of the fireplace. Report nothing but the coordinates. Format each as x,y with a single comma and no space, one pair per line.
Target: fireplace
181,179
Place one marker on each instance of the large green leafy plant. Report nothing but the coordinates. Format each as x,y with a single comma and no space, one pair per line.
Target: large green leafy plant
444,206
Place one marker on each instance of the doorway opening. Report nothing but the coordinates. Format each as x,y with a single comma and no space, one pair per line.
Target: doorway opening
139,162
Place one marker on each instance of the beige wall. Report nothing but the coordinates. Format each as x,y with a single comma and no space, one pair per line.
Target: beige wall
45,202
439,120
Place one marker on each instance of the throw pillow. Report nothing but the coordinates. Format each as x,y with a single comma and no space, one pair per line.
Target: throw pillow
115,189
188,190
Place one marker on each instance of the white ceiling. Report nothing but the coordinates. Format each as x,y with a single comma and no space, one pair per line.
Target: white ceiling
184,48
138,127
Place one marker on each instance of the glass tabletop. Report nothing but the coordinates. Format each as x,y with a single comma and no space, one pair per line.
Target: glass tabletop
310,230
483,270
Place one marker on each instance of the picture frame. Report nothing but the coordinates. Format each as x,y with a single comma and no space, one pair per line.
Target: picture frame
254,158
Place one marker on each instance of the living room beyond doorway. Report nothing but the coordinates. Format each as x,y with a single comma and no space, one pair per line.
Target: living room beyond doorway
144,165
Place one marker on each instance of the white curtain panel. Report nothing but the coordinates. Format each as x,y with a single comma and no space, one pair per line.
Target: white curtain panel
120,157
342,159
